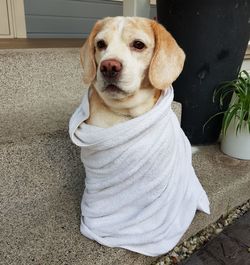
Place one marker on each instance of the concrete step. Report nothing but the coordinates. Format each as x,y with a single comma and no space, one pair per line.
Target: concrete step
39,90
42,178
41,184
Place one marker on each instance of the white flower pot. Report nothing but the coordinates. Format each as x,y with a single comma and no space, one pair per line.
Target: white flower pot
237,146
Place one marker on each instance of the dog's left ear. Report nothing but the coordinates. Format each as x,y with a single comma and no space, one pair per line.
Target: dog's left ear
168,58
87,55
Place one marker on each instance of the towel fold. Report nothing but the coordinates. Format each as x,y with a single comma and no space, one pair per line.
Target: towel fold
141,192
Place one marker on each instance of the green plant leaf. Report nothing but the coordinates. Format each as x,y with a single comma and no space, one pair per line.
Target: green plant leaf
223,96
212,117
228,116
239,107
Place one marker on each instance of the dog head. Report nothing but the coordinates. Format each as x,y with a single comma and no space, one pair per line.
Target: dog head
124,55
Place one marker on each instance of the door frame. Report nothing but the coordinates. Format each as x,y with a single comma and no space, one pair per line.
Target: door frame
16,19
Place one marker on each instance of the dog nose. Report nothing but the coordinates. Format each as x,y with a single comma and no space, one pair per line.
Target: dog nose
110,69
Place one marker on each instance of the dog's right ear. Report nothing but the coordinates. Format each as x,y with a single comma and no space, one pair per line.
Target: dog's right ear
87,55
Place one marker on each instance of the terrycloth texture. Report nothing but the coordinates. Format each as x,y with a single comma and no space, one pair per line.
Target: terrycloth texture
141,191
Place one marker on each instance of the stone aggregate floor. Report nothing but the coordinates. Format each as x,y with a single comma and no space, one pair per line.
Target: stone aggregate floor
230,247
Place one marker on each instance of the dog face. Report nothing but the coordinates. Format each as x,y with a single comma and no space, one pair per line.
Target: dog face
123,56
123,51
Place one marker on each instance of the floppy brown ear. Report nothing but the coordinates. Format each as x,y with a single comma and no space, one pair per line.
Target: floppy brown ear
168,58
87,55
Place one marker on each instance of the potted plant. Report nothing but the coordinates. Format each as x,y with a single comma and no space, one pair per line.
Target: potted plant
214,35
236,119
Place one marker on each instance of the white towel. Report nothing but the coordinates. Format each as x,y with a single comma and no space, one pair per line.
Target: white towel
141,191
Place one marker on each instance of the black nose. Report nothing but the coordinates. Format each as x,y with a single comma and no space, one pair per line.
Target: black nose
110,69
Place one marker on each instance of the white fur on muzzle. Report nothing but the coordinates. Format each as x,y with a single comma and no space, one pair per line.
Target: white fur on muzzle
141,192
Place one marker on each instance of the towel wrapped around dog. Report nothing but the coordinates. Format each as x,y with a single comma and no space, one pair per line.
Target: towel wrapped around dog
141,192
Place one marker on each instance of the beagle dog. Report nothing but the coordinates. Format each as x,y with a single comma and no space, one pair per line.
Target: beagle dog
127,61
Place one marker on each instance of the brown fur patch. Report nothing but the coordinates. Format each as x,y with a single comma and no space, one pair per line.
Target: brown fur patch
87,53
168,58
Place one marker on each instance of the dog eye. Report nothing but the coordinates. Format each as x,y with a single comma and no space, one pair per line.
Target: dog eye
101,44
138,45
